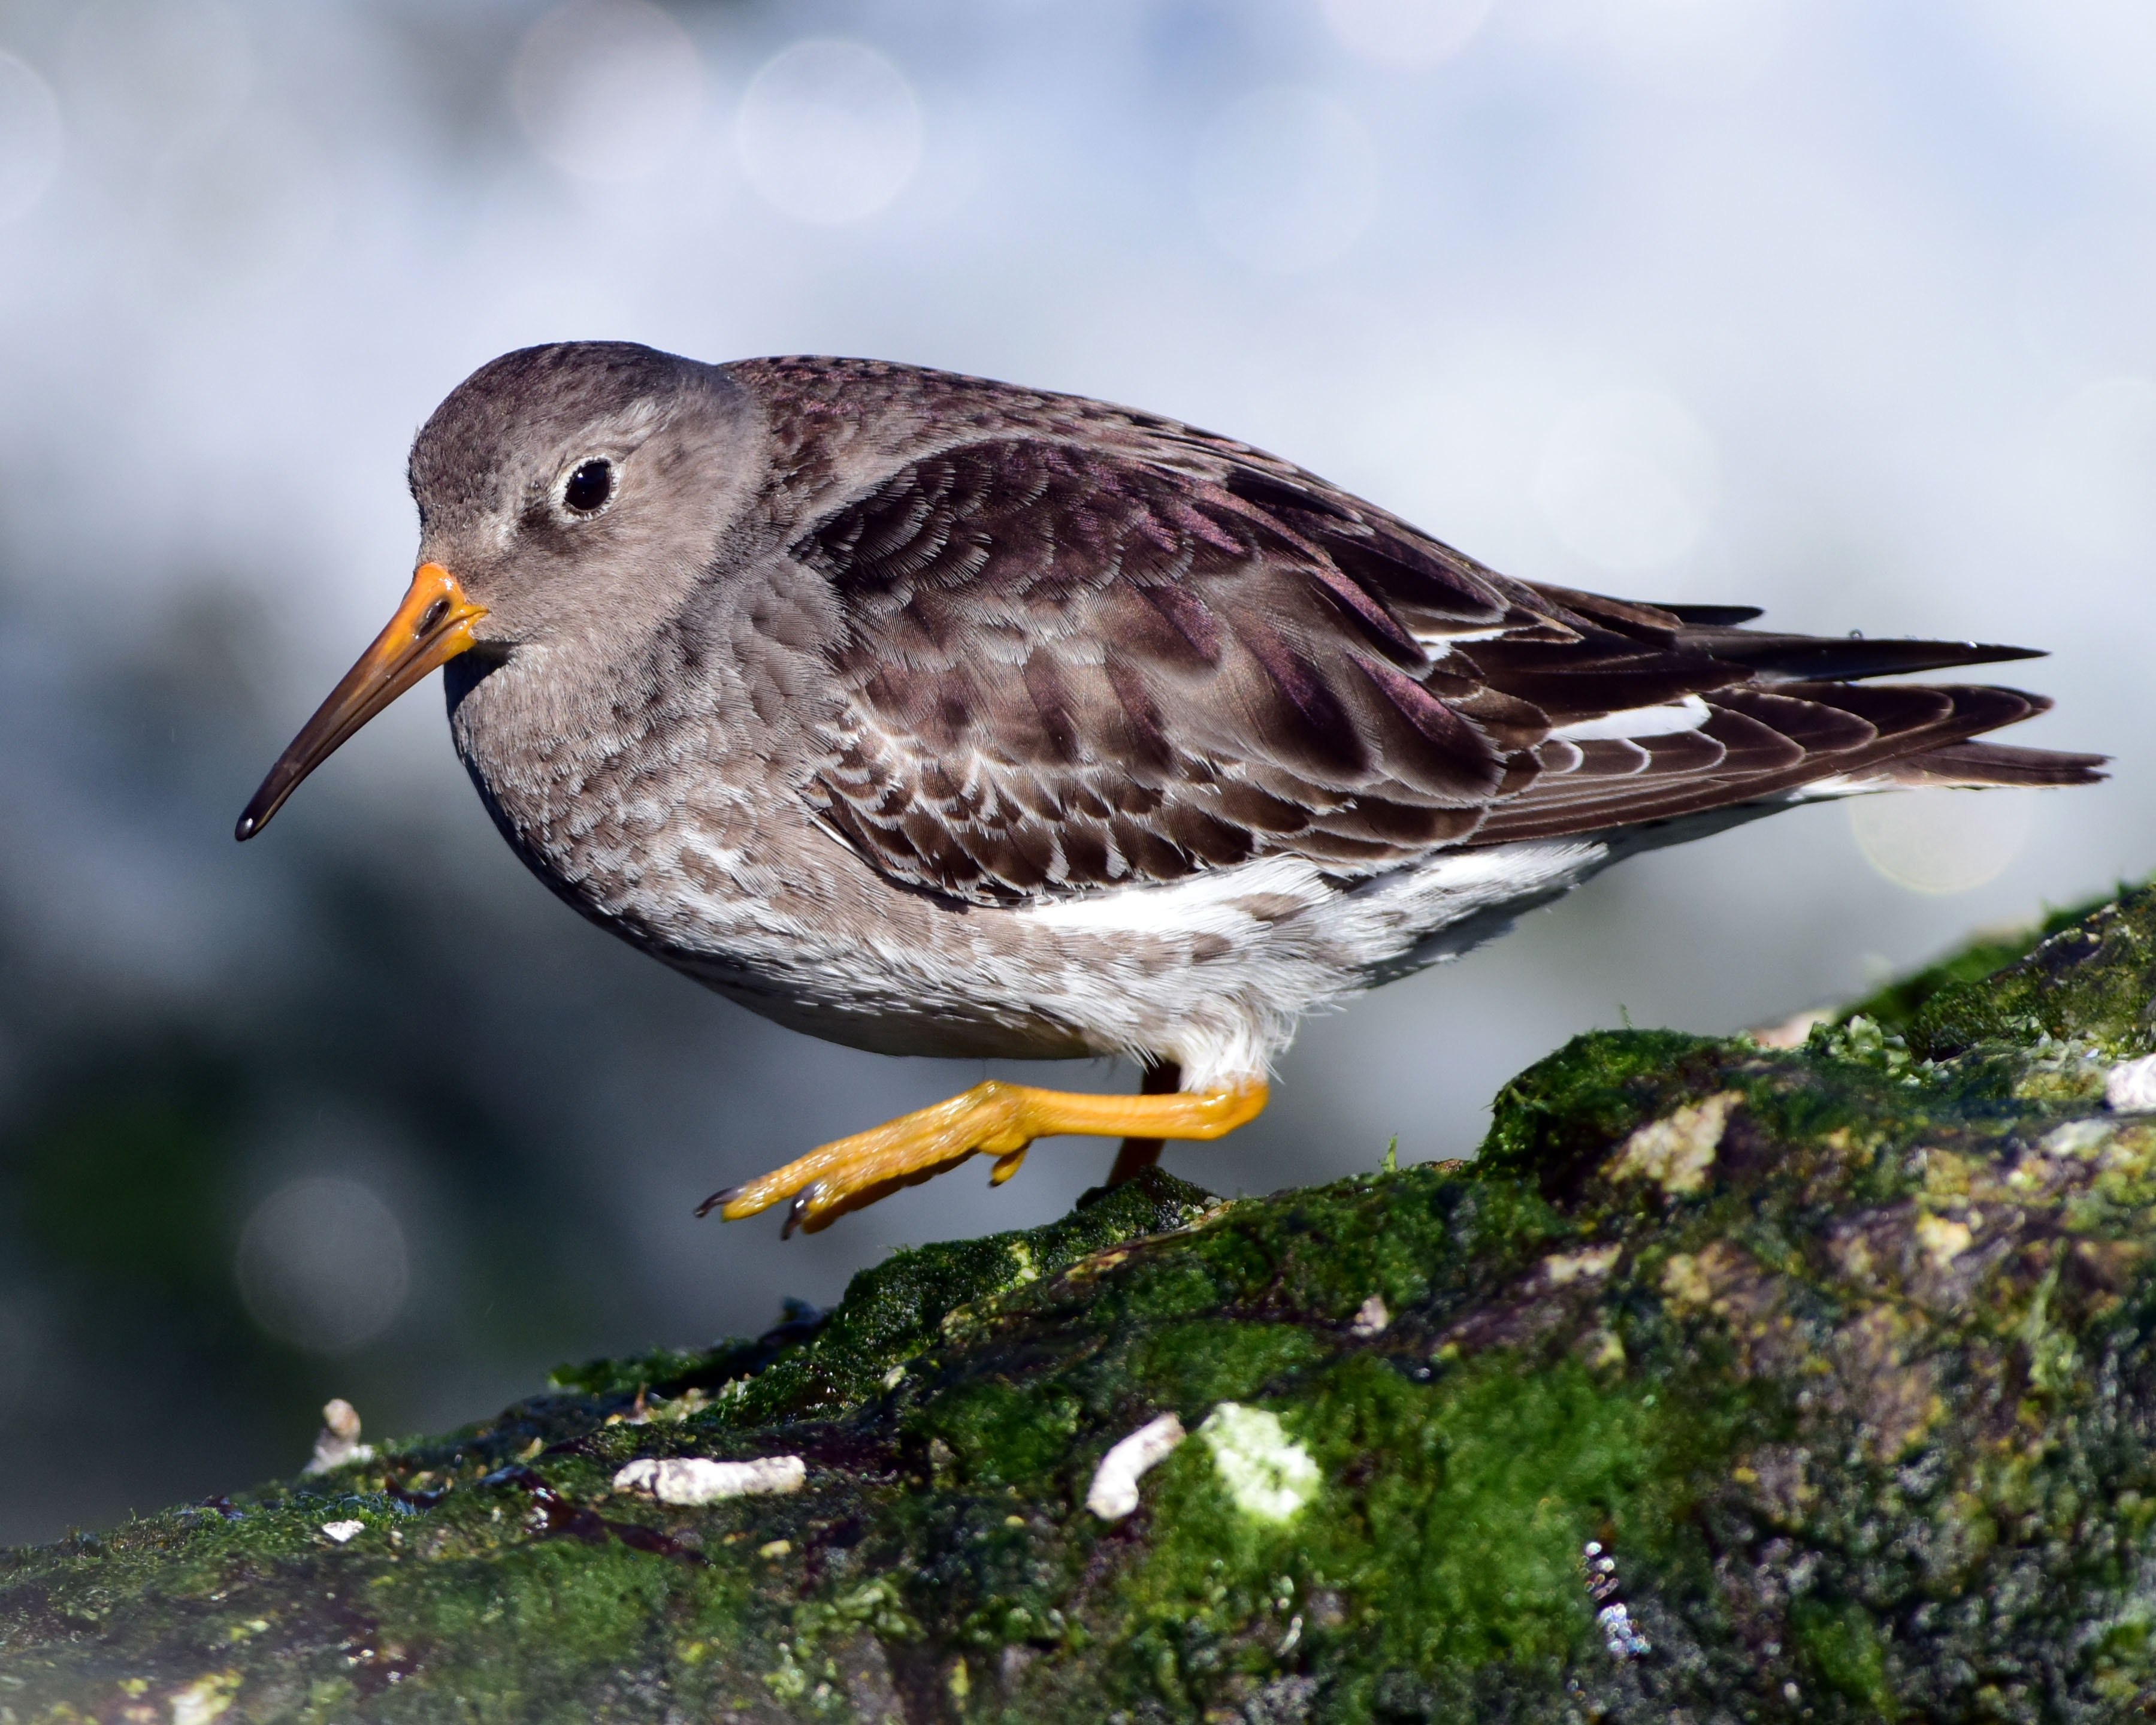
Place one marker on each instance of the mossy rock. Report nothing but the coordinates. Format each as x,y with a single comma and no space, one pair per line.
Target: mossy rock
1727,1383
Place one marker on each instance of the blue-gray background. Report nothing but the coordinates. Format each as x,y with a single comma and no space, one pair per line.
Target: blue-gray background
1835,306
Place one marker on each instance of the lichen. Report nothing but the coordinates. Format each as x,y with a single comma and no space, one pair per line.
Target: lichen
1830,1371
1267,1474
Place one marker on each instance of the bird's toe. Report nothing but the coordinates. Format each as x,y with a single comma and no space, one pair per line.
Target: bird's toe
802,1209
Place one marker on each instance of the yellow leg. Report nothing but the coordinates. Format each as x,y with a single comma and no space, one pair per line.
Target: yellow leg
999,1119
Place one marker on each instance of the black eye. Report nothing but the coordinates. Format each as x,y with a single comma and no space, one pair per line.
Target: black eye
589,486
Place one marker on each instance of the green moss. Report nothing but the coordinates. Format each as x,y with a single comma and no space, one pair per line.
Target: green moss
1846,1655
667,1370
2088,981
1452,1518
1565,1111
1000,1434
1894,1007
1193,1365
900,1308
1478,1493
547,1615
1858,1414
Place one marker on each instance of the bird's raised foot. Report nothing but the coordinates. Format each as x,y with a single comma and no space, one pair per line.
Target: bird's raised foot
1000,1119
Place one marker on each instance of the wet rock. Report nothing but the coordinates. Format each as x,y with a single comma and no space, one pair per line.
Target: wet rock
1730,1382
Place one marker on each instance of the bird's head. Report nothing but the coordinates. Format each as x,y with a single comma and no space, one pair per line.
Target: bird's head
564,493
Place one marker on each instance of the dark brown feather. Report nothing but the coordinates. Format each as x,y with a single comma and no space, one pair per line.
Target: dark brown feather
1070,660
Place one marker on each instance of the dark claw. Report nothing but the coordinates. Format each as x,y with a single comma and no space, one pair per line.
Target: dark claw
798,1211
718,1200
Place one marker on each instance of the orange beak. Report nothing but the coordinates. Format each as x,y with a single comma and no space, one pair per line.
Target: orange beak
431,627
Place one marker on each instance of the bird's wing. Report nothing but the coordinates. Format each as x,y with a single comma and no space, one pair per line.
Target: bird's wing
1065,666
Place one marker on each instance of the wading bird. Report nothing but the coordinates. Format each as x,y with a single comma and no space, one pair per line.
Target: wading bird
940,716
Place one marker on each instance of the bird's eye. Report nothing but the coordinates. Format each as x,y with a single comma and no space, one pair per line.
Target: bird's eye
589,486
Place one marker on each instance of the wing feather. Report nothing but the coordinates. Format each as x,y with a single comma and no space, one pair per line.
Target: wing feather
1069,662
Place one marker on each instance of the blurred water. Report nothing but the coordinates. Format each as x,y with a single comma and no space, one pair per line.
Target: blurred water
1837,308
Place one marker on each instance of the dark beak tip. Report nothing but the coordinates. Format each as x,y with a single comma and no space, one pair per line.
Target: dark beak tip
255,815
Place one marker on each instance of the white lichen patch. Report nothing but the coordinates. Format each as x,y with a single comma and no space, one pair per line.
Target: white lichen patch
2130,1087
1269,1476
1601,1349
1114,1493
1943,1239
1685,1282
2062,1070
1589,1264
207,1698
690,1481
1371,1318
1676,1152
342,1532
2080,1138
2131,1150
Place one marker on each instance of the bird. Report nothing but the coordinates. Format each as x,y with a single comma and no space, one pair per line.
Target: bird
934,715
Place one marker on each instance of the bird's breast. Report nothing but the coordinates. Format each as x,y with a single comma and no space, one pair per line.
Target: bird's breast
610,788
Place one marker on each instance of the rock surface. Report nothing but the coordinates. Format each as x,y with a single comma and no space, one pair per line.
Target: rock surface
1727,1384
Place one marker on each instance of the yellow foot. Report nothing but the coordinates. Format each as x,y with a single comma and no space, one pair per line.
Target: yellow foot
998,1118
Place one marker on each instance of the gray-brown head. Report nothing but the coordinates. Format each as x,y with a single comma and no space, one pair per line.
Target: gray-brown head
565,492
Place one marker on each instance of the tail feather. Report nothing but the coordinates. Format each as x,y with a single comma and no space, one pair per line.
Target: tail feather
1976,764
1771,656
1776,719
1839,658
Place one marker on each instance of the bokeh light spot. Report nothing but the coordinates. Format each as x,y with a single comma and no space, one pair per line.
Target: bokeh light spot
829,131
607,89
323,1264
1627,480
1943,841
1406,32
1285,180
30,138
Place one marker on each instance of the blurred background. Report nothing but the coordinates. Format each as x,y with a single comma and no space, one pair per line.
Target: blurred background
1840,307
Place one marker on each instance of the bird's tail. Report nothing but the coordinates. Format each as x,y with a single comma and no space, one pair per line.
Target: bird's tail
1976,765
